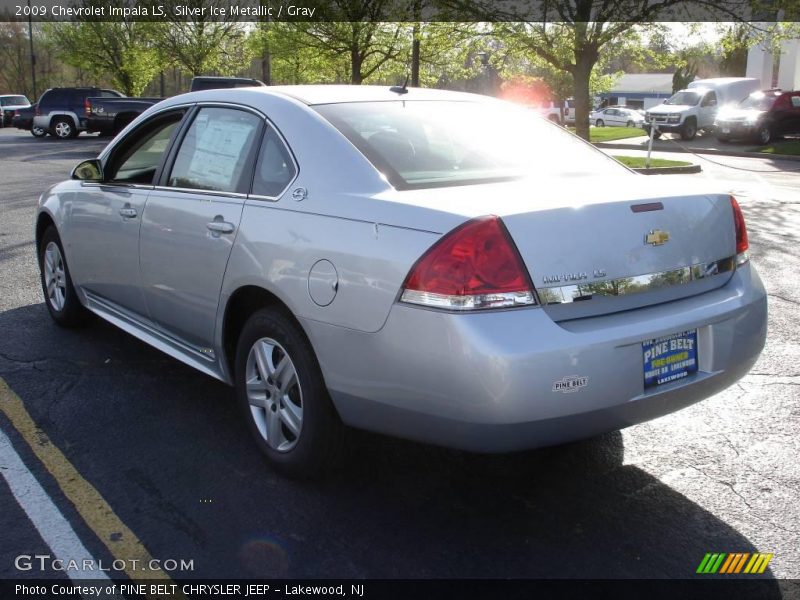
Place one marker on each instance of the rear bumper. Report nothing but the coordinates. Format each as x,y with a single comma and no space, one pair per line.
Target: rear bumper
484,382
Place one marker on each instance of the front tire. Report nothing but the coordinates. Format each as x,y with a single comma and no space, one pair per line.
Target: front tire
280,389
599,123
764,135
689,130
38,132
59,293
630,124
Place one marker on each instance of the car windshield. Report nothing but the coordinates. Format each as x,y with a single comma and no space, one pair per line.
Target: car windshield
419,144
13,101
758,101
684,99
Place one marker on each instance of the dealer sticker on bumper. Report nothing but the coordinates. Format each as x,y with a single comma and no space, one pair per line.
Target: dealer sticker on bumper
669,358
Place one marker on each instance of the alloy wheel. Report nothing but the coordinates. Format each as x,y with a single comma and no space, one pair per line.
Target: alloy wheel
63,129
55,276
274,394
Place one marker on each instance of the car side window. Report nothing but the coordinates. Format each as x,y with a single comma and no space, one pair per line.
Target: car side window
710,99
275,168
138,157
218,151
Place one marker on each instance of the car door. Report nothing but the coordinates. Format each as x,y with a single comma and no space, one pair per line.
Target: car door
708,110
105,217
612,117
191,219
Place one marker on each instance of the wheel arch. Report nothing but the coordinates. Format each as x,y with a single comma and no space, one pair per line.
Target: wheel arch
43,221
241,304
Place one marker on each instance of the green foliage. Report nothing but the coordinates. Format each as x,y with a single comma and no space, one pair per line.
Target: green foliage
683,76
120,51
201,45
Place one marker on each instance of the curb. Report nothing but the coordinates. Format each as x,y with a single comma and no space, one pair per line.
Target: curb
711,151
669,170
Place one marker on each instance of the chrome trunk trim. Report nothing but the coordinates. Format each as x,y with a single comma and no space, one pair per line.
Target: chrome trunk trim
633,285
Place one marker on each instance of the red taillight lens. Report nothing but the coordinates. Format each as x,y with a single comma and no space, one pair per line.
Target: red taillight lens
87,107
742,243
474,266
36,112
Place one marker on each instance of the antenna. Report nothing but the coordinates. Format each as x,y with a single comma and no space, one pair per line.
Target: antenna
400,89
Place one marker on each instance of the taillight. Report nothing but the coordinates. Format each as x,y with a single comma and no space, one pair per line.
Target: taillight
474,266
87,107
36,112
742,244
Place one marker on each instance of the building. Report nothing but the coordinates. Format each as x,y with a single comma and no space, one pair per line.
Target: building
761,62
639,90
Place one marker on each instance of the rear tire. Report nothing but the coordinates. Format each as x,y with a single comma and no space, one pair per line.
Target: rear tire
59,293
63,128
38,132
280,389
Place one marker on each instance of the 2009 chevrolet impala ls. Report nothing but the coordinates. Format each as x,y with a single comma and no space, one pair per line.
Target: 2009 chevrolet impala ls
438,266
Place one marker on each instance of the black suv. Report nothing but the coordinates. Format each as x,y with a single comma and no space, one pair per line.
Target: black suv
761,117
62,111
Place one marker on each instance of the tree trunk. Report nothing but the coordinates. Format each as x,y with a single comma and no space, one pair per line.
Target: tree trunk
415,57
355,67
266,68
581,75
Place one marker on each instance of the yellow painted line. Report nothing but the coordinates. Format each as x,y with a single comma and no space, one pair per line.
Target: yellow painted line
92,507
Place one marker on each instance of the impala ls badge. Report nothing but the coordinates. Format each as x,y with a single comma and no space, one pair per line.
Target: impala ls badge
656,237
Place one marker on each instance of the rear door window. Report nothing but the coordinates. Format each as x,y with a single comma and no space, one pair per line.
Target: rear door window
218,151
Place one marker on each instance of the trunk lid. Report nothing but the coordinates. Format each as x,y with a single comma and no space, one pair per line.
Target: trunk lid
642,247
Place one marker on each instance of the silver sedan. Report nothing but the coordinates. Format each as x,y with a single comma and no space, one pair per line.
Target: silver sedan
432,265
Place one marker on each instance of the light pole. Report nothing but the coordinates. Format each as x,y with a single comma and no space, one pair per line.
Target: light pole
33,56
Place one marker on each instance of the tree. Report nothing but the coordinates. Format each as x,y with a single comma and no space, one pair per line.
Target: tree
358,30
570,34
199,43
121,51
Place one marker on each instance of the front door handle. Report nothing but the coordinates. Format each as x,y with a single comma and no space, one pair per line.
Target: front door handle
220,227
127,212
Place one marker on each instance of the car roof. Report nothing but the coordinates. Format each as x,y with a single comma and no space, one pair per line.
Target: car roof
335,94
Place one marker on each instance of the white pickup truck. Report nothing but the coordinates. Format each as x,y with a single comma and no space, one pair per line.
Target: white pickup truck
695,108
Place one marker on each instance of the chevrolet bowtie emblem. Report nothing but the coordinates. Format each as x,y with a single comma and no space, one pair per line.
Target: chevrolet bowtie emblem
656,237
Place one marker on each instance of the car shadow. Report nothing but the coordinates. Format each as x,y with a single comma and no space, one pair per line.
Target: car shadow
168,449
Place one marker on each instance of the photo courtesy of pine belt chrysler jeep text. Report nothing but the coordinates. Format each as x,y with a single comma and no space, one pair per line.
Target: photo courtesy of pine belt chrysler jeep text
439,266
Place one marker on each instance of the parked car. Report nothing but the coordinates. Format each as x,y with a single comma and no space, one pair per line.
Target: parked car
762,117
616,117
353,255
695,108
62,111
9,104
109,116
207,82
23,119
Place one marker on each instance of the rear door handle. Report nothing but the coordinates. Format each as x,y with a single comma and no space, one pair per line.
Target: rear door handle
220,227
127,212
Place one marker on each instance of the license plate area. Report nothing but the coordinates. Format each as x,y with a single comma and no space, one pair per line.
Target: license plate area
669,358
726,130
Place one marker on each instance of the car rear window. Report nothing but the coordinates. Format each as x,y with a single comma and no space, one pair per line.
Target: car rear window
419,144
13,101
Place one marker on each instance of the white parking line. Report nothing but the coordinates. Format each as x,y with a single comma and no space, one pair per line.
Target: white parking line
44,514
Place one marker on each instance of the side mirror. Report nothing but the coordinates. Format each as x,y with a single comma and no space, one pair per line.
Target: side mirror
88,170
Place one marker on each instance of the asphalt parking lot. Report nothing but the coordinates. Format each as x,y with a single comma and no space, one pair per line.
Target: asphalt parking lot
165,448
